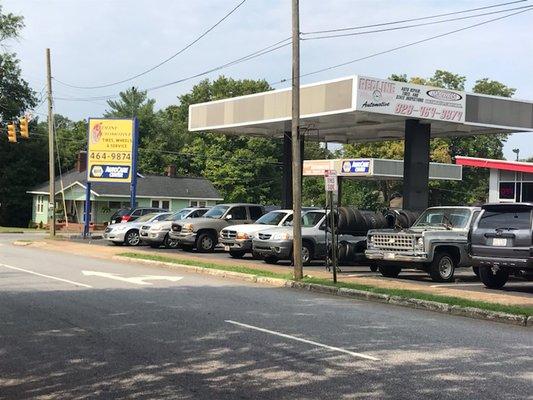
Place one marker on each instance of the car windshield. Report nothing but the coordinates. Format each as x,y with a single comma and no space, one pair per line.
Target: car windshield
178,216
311,218
146,217
448,218
216,212
272,218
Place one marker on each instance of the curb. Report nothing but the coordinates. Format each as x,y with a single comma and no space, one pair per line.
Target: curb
443,308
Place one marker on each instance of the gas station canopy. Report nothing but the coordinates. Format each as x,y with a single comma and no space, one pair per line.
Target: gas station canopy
377,169
360,108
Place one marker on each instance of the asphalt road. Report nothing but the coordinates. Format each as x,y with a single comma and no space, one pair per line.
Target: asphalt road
89,328
465,279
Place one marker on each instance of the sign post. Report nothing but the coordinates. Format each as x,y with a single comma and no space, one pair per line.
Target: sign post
332,186
111,156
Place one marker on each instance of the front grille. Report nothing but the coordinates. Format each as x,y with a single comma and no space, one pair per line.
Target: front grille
176,228
393,242
227,234
107,230
264,236
145,227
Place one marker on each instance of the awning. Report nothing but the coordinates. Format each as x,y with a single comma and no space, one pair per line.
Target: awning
516,166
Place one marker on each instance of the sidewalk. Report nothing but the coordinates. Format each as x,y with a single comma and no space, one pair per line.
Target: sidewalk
87,250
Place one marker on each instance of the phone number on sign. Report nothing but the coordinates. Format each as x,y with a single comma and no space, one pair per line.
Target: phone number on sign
428,112
113,156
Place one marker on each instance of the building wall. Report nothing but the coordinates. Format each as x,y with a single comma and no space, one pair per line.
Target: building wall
509,186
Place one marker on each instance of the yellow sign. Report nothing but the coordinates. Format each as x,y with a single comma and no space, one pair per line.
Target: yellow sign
111,150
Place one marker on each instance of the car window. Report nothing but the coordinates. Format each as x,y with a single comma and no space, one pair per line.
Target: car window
255,213
506,220
271,218
136,213
216,212
199,213
162,217
311,218
238,213
444,217
146,217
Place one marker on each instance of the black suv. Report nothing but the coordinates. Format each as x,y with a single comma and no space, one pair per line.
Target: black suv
501,243
131,214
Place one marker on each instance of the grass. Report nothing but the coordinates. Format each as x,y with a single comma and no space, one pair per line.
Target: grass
403,293
8,229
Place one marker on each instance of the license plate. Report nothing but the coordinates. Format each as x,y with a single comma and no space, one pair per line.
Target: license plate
499,242
226,248
389,256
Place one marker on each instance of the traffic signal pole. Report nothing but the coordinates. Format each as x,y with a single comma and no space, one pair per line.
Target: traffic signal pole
51,159
296,149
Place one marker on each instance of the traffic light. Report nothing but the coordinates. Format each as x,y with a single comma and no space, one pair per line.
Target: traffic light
11,133
24,130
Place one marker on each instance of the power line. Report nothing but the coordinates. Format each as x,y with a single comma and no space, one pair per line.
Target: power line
412,19
405,46
416,25
189,45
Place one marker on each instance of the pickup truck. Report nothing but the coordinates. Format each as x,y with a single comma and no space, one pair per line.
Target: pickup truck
436,243
275,244
203,233
501,243
237,239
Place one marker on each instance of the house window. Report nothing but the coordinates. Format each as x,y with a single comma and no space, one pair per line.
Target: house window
197,203
165,204
39,206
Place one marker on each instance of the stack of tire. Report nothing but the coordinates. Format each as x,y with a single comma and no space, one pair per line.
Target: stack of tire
400,219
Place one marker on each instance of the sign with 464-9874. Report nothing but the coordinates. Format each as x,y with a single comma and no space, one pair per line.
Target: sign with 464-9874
110,150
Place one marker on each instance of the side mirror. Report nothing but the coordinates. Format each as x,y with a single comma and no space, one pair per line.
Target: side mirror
229,216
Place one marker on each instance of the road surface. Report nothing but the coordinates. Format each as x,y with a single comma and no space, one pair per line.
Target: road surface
91,328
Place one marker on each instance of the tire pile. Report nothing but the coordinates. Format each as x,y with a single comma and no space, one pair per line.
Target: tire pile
400,219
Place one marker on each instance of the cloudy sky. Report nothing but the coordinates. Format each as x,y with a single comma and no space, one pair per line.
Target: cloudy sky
95,42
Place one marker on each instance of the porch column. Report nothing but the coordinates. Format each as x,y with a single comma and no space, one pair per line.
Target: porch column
416,165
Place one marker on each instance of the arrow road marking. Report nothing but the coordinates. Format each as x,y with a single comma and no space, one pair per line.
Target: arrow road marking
138,280
284,335
45,276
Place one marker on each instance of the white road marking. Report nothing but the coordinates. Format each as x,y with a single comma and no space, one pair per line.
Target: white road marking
138,280
341,350
451,285
46,276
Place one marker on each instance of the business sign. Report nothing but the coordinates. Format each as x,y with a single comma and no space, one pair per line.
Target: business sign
330,178
410,100
355,167
110,151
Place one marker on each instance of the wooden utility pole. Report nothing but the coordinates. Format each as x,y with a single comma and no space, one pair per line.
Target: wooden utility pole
296,149
51,159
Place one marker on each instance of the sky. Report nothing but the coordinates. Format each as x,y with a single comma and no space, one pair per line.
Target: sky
95,42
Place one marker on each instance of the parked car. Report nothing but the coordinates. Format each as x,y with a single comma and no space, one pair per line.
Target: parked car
436,243
275,244
131,214
501,243
202,233
156,234
128,232
237,239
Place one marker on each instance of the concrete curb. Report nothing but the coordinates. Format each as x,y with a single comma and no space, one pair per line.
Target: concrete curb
427,305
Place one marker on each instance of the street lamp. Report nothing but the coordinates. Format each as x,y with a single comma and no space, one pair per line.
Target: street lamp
517,151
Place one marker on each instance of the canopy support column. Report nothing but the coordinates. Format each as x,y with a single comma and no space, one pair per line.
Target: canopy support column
416,165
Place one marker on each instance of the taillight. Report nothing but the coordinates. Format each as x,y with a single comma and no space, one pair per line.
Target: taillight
126,218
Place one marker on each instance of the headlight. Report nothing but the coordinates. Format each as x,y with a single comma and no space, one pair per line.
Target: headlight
281,236
420,243
242,235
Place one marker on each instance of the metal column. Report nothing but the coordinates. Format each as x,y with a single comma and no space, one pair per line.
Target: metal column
416,165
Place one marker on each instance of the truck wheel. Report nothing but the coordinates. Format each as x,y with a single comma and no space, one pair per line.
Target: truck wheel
237,253
205,243
476,271
170,243
390,271
493,280
132,238
442,267
271,260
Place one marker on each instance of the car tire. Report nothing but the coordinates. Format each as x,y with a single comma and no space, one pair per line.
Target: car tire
205,243
390,271
256,255
271,260
237,253
132,238
493,280
307,254
170,243
442,268
476,271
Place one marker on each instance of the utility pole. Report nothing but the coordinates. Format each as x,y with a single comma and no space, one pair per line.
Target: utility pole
51,163
296,149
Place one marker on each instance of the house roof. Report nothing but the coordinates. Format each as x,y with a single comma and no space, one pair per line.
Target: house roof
185,187
517,166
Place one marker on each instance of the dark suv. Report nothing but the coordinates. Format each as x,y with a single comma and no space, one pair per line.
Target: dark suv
131,214
501,242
